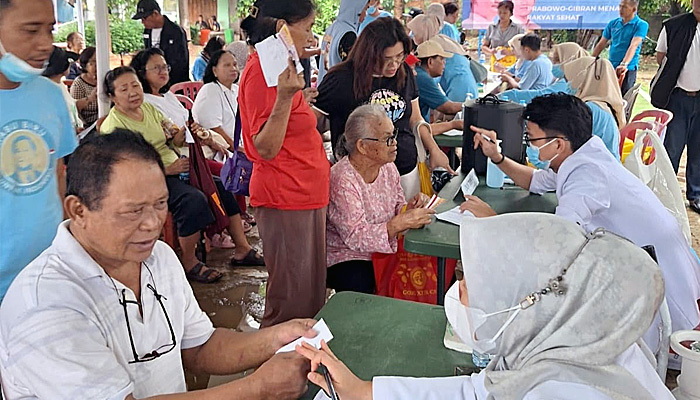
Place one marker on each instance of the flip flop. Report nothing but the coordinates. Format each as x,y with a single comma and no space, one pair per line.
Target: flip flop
196,274
250,259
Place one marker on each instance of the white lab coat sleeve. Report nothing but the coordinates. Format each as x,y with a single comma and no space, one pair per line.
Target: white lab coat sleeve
401,388
543,181
581,198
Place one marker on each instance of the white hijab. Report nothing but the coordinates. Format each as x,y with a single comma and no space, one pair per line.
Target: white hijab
613,289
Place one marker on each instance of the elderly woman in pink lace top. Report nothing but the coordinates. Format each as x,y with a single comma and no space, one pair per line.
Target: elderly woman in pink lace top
366,201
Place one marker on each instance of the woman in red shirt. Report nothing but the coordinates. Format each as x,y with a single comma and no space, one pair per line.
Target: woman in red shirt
290,180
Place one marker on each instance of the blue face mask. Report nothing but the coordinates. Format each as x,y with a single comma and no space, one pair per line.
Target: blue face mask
557,71
533,155
371,10
15,69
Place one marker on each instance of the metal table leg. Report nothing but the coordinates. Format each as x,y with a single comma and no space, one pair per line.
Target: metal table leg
441,281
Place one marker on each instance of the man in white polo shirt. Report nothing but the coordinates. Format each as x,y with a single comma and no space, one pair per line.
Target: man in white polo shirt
106,311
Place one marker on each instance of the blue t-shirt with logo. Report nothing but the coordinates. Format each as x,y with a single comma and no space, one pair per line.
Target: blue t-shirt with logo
620,36
35,132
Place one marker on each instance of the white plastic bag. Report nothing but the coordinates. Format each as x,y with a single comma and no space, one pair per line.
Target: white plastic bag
660,177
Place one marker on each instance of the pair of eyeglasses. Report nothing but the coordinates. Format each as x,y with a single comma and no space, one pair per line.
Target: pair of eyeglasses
399,59
389,141
150,356
160,68
528,140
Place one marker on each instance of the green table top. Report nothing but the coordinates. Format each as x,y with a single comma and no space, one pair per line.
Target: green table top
379,336
441,239
448,141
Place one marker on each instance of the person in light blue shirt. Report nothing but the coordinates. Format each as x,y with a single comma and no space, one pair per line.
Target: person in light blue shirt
373,12
625,35
432,64
604,113
448,28
214,45
35,134
539,74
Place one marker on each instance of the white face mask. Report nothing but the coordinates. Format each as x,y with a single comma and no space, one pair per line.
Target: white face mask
16,69
466,320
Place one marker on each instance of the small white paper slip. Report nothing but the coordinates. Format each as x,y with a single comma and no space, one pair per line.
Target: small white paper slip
323,334
453,216
273,59
453,132
470,183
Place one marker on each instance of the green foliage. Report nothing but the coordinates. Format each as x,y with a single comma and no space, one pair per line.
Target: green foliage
127,35
243,7
326,12
122,8
64,30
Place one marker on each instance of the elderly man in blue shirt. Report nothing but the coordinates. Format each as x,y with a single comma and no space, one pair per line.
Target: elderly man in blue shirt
625,35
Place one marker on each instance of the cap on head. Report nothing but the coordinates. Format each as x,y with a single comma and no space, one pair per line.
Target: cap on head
431,48
413,12
146,8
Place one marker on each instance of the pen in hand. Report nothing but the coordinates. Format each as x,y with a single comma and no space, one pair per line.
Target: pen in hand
488,139
329,382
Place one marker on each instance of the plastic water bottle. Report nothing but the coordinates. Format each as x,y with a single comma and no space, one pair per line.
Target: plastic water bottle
494,175
482,59
480,360
184,176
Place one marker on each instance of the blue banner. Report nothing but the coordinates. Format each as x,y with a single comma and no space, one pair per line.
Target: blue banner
543,14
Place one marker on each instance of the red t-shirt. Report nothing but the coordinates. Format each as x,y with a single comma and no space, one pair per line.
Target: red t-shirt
298,178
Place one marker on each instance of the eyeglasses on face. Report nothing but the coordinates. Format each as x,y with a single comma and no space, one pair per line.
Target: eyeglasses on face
159,68
529,140
399,59
391,140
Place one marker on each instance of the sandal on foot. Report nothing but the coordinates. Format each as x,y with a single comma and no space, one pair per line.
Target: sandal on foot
250,259
246,226
248,218
208,276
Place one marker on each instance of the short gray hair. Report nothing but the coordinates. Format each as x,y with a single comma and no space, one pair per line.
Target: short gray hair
360,125
634,3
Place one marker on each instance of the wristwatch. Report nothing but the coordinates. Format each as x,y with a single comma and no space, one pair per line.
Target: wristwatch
623,64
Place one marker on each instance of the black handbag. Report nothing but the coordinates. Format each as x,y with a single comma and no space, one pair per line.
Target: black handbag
503,117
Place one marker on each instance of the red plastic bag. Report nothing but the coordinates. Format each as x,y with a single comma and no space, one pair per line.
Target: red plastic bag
409,276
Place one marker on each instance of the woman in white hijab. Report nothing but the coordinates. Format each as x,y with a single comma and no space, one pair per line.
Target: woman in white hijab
562,311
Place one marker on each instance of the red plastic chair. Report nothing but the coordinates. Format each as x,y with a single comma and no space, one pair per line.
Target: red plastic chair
629,131
661,120
188,89
186,102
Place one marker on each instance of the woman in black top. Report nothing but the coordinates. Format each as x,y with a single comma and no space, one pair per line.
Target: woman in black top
375,73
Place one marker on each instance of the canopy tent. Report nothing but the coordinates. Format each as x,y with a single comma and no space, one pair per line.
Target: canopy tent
543,14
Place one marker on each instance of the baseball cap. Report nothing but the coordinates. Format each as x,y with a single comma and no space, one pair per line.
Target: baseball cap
145,8
431,48
413,12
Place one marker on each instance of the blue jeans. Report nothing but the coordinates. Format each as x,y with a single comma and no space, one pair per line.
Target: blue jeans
684,130
630,80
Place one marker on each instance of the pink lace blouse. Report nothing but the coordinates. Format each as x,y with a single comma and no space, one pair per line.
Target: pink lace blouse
358,213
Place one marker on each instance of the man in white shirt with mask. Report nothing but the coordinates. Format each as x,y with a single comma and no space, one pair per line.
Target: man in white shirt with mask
595,190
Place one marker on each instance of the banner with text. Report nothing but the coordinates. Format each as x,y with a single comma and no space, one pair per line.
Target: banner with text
543,14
